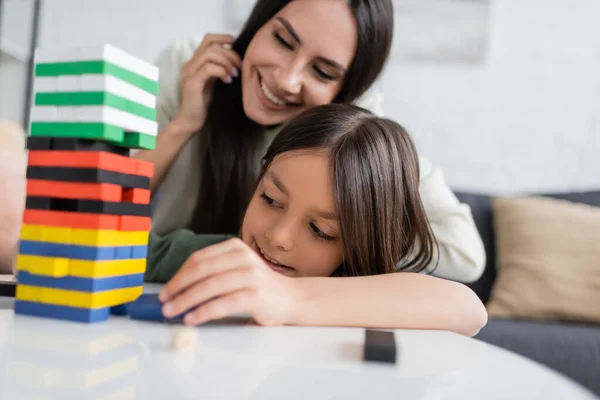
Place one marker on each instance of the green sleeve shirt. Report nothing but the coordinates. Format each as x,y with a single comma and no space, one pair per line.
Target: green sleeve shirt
166,254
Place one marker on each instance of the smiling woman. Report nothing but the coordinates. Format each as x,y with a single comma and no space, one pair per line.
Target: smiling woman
222,101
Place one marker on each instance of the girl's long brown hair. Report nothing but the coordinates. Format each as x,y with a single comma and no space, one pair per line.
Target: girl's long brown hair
375,170
233,140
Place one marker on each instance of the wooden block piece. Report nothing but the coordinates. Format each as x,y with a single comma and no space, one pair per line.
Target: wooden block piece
77,220
137,196
380,346
72,190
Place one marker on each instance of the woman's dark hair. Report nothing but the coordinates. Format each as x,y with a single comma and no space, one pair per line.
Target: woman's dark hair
375,170
233,140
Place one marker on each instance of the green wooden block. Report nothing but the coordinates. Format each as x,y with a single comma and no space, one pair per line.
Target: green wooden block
79,130
94,99
96,67
139,141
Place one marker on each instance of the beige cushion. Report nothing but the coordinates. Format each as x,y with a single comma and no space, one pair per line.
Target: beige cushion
548,260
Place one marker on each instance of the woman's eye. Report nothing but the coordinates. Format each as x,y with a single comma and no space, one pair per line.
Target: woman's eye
283,42
320,234
323,74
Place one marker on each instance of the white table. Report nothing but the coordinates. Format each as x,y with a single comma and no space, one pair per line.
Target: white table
124,359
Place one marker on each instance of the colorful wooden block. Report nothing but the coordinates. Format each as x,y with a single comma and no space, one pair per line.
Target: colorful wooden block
94,114
87,175
38,309
48,266
90,159
76,98
87,206
72,298
137,195
61,267
71,190
81,284
42,143
83,237
90,253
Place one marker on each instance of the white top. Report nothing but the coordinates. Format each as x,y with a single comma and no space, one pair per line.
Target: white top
462,255
233,359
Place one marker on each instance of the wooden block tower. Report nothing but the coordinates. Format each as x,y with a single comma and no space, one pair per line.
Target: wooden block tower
85,227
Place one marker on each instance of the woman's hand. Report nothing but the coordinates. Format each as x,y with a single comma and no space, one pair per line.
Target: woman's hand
214,59
225,279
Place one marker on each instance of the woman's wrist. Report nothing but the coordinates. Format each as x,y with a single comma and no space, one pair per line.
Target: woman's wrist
180,127
300,302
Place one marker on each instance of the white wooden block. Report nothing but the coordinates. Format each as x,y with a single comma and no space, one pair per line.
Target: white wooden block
104,52
44,114
67,83
97,114
95,83
45,84
184,338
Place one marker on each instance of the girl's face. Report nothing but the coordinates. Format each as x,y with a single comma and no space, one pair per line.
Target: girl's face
292,221
298,60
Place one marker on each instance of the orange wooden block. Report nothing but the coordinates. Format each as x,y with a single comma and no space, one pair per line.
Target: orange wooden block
136,195
144,168
82,159
132,223
72,190
73,219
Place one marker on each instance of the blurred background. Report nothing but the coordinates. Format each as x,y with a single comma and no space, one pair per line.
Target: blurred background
503,95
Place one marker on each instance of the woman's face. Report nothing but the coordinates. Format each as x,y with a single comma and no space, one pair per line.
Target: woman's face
292,221
298,60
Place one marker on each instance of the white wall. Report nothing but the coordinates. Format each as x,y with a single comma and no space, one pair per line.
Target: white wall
528,119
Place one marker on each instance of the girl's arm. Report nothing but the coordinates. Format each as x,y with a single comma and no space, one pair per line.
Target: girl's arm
230,278
400,301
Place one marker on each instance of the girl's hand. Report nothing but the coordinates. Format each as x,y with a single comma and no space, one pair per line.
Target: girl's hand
212,60
225,279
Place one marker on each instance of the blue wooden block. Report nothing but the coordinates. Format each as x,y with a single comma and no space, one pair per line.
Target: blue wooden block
148,307
82,284
119,310
139,252
44,249
61,312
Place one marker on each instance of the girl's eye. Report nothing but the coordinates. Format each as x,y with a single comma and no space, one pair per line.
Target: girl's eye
323,74
269,200
320,234
283,42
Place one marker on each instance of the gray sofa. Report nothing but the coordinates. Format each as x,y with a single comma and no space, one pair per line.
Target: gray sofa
571,349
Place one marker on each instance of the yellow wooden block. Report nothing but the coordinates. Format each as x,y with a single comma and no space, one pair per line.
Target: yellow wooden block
47,266
83,237
42,233
72,298
103,269
32,232
29,293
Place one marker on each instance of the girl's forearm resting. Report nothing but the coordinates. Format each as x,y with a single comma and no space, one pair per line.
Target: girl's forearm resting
394,301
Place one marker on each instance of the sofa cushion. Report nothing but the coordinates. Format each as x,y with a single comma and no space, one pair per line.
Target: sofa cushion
481,208
571,349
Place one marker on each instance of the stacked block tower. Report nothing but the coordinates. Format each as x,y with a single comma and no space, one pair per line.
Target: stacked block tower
85,227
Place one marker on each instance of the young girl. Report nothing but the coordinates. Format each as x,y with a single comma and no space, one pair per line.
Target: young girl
223,100
335,213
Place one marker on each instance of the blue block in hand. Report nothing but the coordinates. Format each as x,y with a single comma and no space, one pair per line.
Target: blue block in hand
148,307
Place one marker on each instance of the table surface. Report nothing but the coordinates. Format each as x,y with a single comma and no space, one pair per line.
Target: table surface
234,359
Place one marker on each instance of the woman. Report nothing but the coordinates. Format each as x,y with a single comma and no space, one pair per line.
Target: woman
336,206
218,115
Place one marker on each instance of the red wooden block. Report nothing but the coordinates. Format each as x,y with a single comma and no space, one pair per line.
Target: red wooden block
71,190
82,159
131,223
136,195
